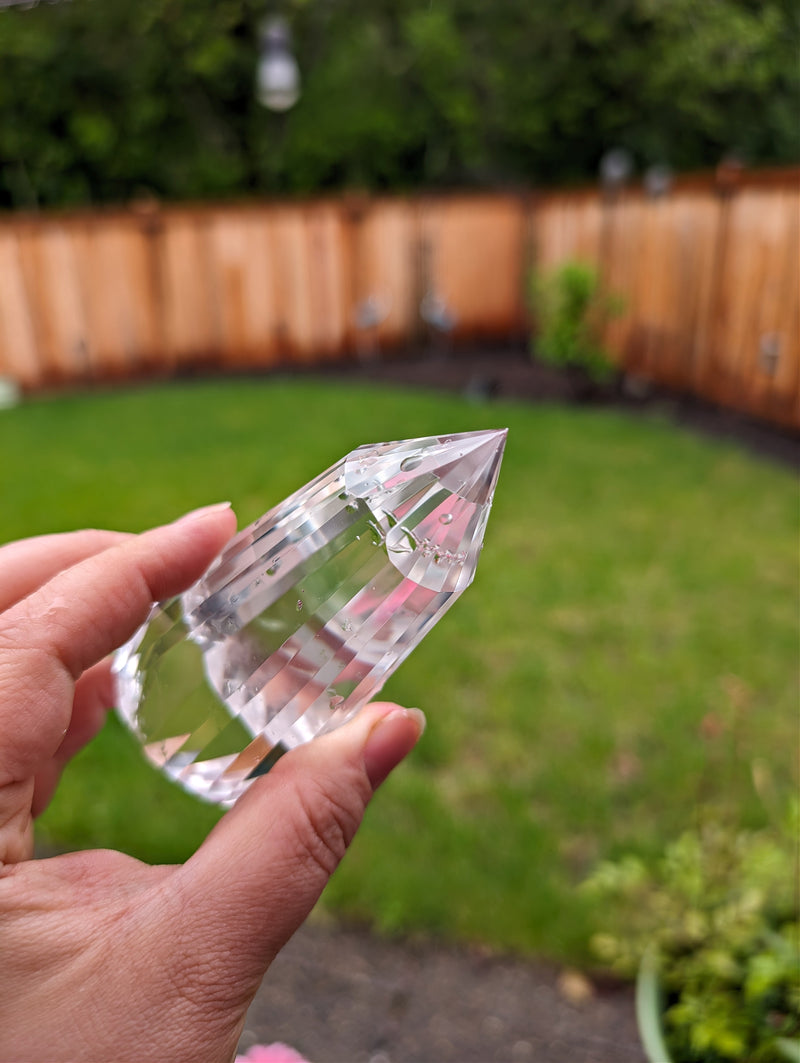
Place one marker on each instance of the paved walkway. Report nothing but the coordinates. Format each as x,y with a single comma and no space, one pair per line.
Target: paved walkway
344,996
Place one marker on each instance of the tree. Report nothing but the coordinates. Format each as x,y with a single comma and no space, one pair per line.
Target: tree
104,102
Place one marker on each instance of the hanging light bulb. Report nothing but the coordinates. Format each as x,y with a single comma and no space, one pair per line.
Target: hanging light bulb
277,76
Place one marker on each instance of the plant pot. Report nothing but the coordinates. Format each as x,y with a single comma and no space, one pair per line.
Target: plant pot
650,1015
650,1009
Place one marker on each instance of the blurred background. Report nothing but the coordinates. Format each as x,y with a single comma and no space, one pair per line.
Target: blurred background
237,240
159,97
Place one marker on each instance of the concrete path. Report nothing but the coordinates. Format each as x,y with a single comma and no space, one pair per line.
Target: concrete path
344,996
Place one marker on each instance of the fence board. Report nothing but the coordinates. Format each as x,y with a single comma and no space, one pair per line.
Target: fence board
17,333
667,255
384,285
328,279
191,311
784,398
49,264
242,277
121,317
569,227
474,262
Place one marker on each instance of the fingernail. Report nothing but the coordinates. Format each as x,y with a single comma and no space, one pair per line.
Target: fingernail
390,740
204,511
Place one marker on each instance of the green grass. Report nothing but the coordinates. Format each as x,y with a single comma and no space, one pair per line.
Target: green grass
636,582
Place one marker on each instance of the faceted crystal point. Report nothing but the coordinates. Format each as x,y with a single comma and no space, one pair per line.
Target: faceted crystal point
306,613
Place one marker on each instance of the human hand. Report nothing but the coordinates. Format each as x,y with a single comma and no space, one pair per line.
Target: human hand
101,956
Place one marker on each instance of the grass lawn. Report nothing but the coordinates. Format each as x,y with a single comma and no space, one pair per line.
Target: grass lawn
627,652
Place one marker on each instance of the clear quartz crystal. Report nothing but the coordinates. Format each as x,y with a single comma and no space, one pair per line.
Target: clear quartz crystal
307,612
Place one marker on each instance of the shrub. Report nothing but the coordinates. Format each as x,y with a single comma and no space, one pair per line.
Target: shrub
571,311
720,910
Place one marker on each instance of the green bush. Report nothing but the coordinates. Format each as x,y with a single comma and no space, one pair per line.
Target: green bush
720,911
571,311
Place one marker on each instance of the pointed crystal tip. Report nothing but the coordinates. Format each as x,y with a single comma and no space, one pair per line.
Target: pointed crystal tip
470,463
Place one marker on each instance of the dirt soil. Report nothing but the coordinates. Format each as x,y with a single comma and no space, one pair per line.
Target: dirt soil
484,374
340,994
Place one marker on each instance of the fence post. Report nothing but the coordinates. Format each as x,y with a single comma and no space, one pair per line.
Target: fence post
714,379
151,225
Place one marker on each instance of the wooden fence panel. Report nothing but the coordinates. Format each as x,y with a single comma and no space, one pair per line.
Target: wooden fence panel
783,402
329,279
620,244
569,226
311,280
121,315
474,260
710,276
294,328
755,309
700,224
49,264
19,351
666,258
384,284
242,265
191,315
710,284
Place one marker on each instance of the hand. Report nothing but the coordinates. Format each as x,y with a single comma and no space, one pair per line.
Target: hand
103,957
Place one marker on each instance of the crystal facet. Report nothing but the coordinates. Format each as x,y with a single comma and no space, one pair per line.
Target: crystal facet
306,613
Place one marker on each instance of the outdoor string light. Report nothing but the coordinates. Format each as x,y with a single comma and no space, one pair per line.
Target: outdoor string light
24,3
277,75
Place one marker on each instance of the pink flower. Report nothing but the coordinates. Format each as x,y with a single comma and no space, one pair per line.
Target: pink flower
276,1053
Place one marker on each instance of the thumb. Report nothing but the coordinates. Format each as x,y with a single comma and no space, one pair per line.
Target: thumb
261,870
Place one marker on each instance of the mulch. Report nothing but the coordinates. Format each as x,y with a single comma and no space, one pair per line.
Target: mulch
508,372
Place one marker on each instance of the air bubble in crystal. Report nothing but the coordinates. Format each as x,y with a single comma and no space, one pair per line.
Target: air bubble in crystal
446,518
409,464
377,534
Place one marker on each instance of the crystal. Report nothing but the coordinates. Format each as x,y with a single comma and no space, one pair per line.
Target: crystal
307,612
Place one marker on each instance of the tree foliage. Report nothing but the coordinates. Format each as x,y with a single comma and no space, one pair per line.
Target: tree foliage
103,102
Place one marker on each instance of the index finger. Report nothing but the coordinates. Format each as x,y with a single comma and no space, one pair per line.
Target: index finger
28,563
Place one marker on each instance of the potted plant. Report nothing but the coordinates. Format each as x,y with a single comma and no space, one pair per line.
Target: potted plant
571,310
713,930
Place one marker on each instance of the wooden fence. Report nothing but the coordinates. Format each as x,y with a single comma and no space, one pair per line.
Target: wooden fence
709,273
